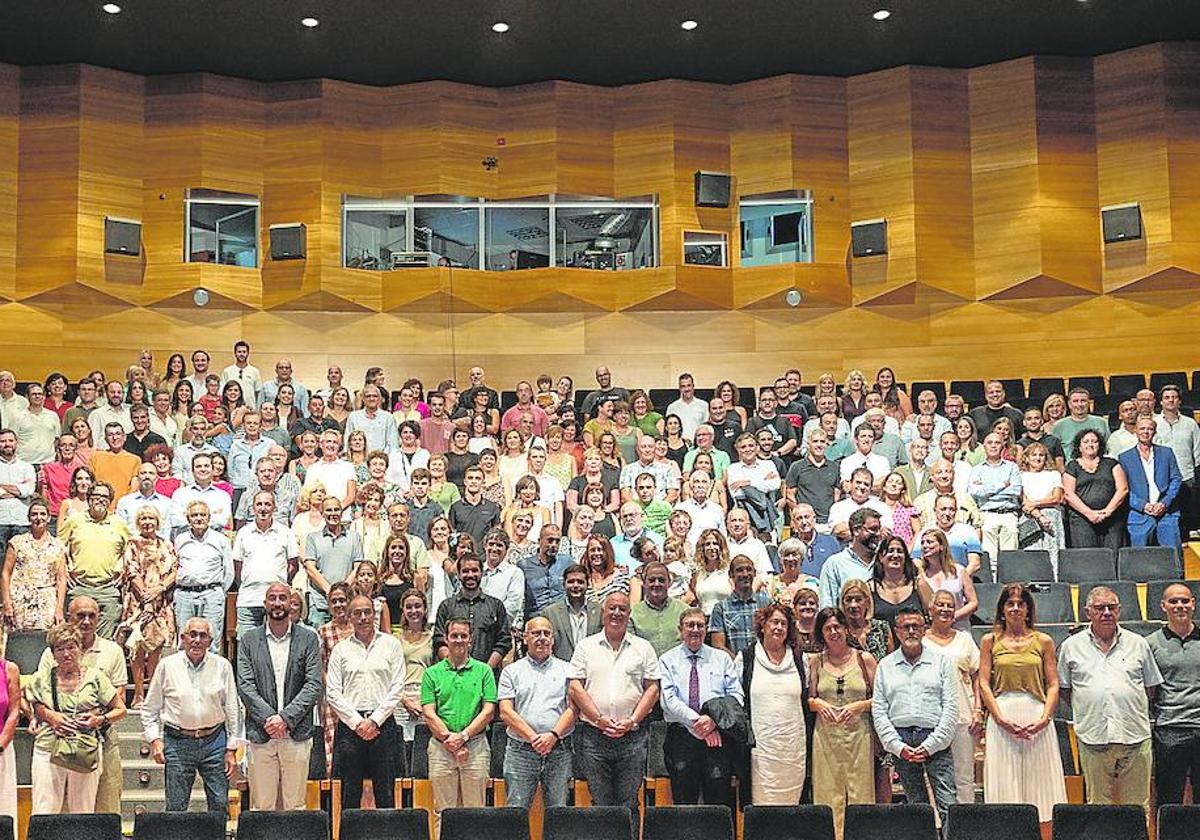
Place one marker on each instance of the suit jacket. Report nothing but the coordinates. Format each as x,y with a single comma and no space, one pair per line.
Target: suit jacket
910,481
302,681
1166,476
560,620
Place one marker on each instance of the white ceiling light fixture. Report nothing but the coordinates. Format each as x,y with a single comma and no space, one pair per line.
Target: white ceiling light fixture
881,14
310,22
111,8
500,26
688,25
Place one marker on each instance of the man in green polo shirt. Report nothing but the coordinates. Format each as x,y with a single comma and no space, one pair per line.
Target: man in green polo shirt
656,617
458,697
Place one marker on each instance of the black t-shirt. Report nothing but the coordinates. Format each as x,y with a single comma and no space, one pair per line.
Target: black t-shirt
475,520
139,447
726,433
781,428
609,479
594,398
456,466
1053,445
803,405
815,485
986,416
467,398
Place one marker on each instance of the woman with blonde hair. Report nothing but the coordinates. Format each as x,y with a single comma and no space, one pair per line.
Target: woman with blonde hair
854,395
712,582
942,574
1054,408
309,517
149,580
1041,501
826,386
959,647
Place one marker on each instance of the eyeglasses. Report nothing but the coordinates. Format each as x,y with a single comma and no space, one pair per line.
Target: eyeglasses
1106,607
910,629
841,687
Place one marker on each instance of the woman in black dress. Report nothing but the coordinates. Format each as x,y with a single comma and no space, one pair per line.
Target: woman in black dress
1095,490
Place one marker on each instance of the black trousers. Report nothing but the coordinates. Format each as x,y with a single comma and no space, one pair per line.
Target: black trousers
355,759
1176,757
697,770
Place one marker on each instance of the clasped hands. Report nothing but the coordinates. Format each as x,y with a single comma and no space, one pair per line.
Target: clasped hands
614,728
705,728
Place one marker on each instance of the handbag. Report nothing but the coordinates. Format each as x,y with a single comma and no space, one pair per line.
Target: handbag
1029,531
79,752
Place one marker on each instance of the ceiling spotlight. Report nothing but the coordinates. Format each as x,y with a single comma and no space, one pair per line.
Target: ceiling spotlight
688,25
310,22
500,26
882,14
111,8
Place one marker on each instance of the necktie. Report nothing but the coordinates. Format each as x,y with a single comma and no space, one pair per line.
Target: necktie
694,684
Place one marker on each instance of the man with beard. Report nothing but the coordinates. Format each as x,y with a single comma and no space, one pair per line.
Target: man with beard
855,561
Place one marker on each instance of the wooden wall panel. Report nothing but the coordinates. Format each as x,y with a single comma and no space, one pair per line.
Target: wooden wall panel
991,180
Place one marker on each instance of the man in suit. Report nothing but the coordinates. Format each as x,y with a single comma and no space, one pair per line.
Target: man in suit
1154,482
279,680
572,618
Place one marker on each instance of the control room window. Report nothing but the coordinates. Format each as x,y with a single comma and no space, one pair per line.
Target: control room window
775,228
611,236
517,236
221,227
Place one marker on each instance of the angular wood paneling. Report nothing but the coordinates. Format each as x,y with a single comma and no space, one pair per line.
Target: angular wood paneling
10,110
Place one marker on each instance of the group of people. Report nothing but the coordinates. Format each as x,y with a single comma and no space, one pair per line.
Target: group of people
772,583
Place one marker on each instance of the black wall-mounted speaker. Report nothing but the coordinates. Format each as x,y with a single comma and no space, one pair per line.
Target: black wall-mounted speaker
713,188
122,236
1121,222
288,242
868,239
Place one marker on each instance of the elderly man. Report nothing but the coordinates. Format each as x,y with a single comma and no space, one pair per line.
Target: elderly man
655,618
916,472
706,445
283,487
754,484
743,541
283,376
666,481
1154,489
614,686
539,719
818,547
915,710
705,513
502,578
942,475
108,658
1176,651
633,526
11,403
197,431
191,719
279,680
375,422
1108,675
17,482
458,698
95,546
995,485
145,494
264,554
699,762
860,497
329,556
205,572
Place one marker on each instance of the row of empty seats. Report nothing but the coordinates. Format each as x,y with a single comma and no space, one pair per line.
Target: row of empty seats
697,822
1141,564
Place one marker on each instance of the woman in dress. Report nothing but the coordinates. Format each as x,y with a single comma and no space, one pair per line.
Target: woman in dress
309,455
182,400
712,582
370,522
885,385
1041,500
1095,489
364,580
773,687
397,572
730,396
1018,683
336,630
416,641
338,408
10,712
493,482
150,569
309,518
82,481
611,455
783,586
896,583
560,463
841,678
854,396
870,633
906,522
643,415
34,579
942,574
356,454
604,575
218,477
959,647
677,447
176,372
84,446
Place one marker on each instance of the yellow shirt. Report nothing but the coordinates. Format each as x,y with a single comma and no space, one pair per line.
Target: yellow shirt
95,550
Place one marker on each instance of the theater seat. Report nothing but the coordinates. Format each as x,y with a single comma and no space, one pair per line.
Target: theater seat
890,822
273,825
938,388
599,822
1178,822
193,825
25,648
688,822
492,823
971,390
1053,602
984,822
1175,377
74,826
1023,565
787,822
1099,822
1123,386
1082,565
1142,628
383,824
1146,563
1043,386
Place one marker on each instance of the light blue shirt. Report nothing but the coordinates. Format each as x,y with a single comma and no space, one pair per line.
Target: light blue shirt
242,458
996,489
270,390
719,677
922,694
623,545
382,432
841,567
538,692
204,560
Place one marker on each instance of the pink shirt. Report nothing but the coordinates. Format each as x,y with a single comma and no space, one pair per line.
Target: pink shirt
512,419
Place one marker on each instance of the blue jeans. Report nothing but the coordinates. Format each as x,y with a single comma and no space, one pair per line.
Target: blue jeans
317,615
186,757
614,767
939,767
207,603
248,618
524,768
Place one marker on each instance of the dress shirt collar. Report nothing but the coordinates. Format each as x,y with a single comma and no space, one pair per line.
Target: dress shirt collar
287,634
620,646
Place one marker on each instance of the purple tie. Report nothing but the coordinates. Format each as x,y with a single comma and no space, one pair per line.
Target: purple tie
694,684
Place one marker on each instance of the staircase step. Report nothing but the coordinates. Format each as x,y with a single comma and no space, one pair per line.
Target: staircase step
153,802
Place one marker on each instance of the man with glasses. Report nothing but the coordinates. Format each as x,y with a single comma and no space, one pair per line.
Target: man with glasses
1109,675
191,719
915,710
699,762
95,546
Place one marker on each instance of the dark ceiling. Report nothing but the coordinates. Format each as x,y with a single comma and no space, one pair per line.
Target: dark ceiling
385,42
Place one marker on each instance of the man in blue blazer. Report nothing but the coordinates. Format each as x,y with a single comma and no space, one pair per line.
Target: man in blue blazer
279,680
1154,482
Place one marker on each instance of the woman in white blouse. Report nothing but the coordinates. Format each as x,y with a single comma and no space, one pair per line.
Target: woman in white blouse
1041,500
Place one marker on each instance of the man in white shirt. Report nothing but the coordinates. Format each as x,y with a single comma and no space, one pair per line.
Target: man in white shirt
666,483
11,403
162,421
375,422
244,373
205,572
741,541
864,456
336,473
705,513
551,493
201,488
1125,437
860,497
17,482
503,581
37,429
114,410
191,719
129,505
926,407
181,463
754,484
200,363
363,685
264,553
692,412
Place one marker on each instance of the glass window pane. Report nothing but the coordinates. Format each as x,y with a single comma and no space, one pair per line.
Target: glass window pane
450,234
774,233
704,248
517,237
612,238
375,239
223,233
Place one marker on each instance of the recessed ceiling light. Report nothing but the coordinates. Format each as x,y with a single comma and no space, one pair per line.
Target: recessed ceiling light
111,8
688,25
499,26
310,22
882,14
